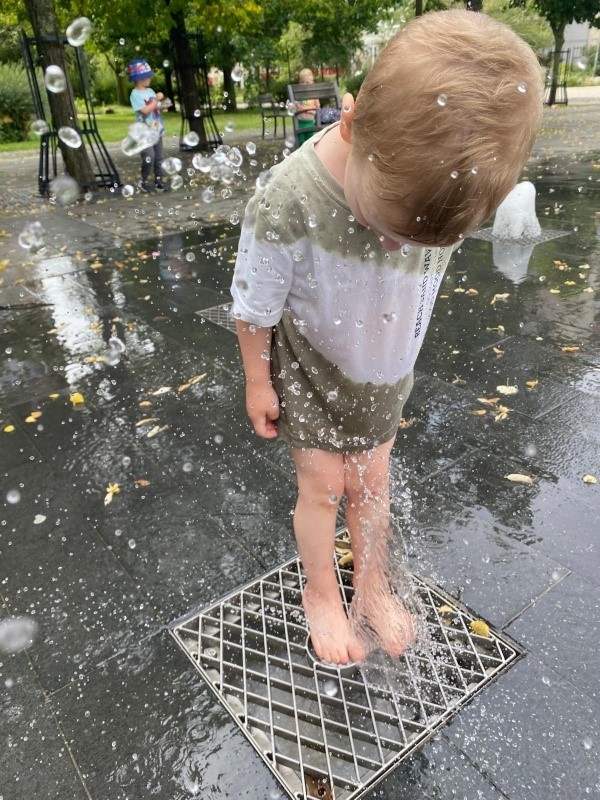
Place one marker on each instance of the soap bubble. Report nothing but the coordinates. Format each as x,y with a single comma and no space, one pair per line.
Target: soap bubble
235,158
442,100
522,87
176,182
330,688
166,63
197,113
39,127
79,31
588,743
234,218
405,249
171,165
191,139
581,62
55,79
189,256
250,148
237,73
32,237
127,190
121,41
454,174
229,126
69,136
290,107
65,190
208,195
16,633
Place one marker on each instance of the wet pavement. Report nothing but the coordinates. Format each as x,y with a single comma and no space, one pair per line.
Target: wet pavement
103,705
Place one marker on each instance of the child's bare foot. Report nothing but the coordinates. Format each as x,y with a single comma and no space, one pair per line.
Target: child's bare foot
379,616
330,633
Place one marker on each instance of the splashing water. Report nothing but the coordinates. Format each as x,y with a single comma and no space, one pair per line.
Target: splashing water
79,31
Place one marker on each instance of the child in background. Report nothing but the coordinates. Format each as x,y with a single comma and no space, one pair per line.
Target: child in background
147,104
306,109
340,260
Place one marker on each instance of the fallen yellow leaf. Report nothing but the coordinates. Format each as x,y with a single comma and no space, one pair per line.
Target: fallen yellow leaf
567,348
35,415
516,477
111,489
54,396
479,627
156,429
142,482
488,401
501,296
498,351
161,390
458,381
570,283
8,428
472,292
144,403
507,389
406,423
531,384
479,412
346,559
589,479
498,329
77,399
145,421
554,291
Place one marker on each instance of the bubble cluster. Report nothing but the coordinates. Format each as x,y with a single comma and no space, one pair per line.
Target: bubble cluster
171,165
16,634
139,137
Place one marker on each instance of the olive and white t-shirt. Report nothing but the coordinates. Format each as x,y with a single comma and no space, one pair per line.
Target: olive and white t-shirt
349,316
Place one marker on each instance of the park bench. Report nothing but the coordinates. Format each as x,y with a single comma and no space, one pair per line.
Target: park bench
328,95
271,110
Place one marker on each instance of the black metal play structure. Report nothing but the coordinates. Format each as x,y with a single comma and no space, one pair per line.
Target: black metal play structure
105,172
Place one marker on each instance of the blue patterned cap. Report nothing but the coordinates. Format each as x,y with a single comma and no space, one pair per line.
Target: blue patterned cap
139,69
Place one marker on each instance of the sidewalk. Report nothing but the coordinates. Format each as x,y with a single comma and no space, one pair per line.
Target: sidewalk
103,705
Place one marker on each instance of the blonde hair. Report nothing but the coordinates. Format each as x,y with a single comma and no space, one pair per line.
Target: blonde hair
306,73
444,123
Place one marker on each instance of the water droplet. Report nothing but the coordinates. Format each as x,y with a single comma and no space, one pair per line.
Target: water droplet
65,190
546,680
522,87
405,249
218,439
359,323
55,79
250,148
391,317
39,127
237,73
127,190
297,255
187,466
555,575
131,544
191,139
332,396
312,221
69,136
171,165
17,633
330,688
442,99
13,496
79,31
474,170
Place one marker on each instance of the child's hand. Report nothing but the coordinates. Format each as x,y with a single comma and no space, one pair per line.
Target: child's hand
262,405
160,96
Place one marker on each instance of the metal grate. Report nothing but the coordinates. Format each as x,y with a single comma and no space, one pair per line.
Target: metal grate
485,234
220,315
328,732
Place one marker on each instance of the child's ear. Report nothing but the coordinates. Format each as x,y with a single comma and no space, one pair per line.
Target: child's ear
347,117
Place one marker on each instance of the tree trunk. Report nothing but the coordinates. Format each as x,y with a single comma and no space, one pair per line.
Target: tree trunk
186,73
558,30
418,8
51,51
228,83
474,5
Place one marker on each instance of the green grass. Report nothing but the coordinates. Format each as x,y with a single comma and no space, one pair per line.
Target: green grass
113,127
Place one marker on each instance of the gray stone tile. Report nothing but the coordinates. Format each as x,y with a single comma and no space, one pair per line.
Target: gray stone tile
144,724
562,628
531,739
492,574
61,573
34,761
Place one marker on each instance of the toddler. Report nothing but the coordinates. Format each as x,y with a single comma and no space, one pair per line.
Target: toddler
147,104
340,260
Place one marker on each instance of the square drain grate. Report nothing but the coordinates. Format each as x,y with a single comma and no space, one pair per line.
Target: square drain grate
328,732
220,315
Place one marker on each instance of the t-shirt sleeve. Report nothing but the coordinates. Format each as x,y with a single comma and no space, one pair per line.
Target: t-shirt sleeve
263,270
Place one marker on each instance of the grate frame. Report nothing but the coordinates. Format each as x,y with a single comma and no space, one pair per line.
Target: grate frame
219,315
334,732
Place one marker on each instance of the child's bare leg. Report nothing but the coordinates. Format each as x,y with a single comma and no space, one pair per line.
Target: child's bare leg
375,609
320,476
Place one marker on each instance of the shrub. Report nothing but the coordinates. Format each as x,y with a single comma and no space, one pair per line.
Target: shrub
354,82
16,105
